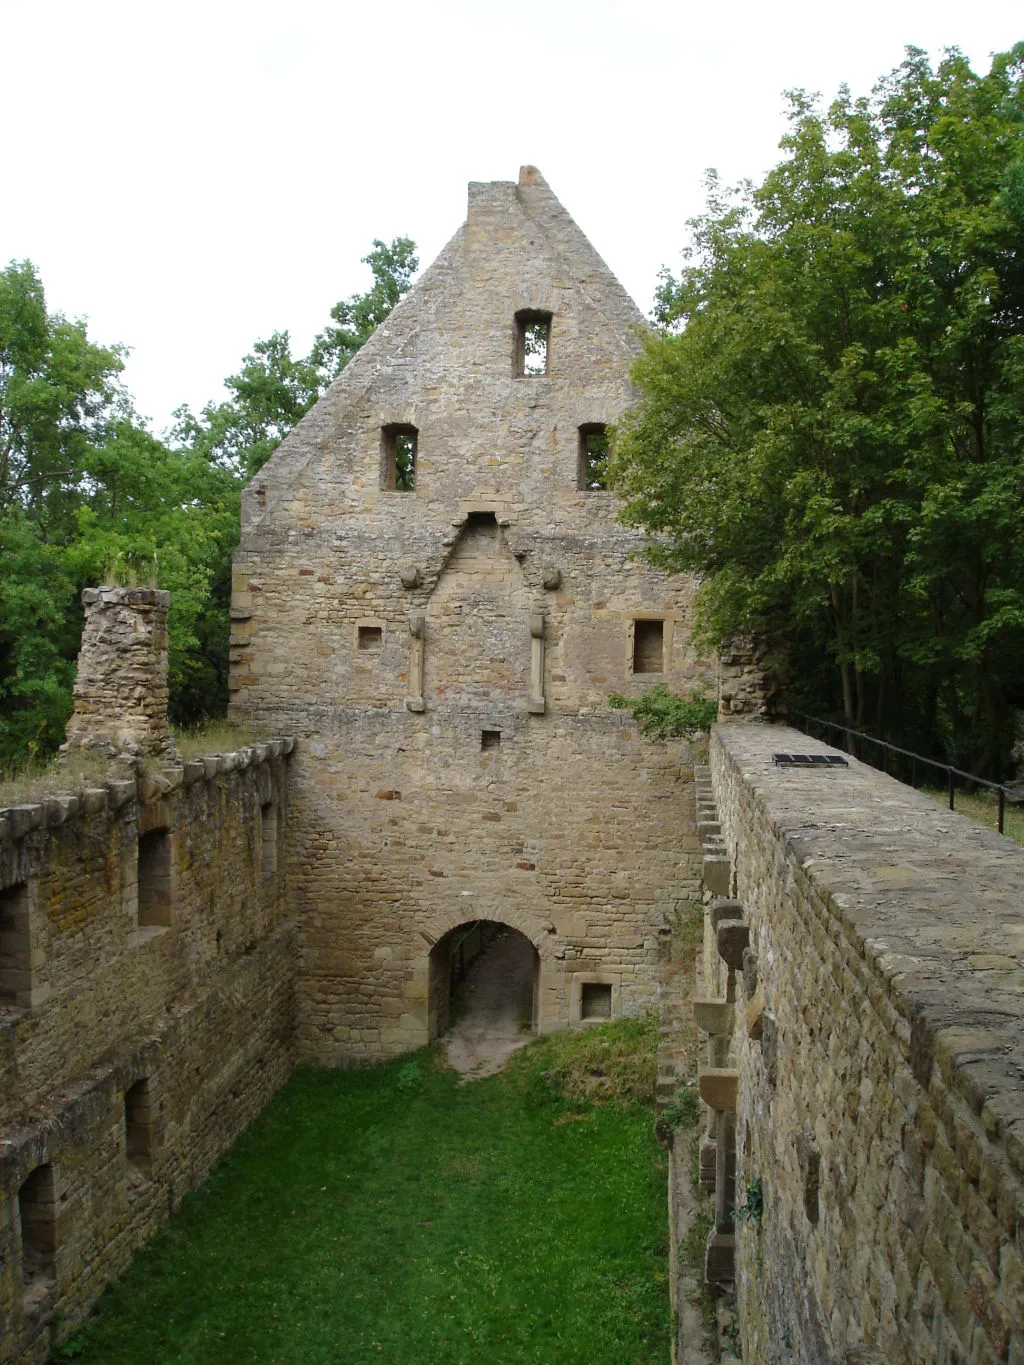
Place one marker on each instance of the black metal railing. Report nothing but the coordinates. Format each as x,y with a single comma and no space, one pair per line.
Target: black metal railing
883,747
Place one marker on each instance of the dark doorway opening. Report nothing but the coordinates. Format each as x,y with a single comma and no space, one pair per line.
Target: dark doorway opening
483,993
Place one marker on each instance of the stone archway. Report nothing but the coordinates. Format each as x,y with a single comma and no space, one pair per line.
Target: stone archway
501,968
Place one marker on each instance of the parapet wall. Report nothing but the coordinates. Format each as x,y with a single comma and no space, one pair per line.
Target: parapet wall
878,1037
147,1013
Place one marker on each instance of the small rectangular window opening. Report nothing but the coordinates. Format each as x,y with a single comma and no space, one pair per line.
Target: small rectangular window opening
155,894
490,739
648,646
595,1001
533,335
16,976
593,456
37,1211
370,638
268,846
138,1125
398,457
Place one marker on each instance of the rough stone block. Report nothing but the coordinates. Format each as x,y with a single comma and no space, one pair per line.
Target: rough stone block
720,1259
732,939
713,1016
718,1087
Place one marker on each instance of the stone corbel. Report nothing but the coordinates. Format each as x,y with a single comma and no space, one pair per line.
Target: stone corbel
536,705
417,630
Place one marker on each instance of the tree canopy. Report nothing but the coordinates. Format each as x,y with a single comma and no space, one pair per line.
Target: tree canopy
832,412
88,494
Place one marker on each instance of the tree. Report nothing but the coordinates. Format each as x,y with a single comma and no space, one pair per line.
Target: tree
273,390
88,494
830,427
357,317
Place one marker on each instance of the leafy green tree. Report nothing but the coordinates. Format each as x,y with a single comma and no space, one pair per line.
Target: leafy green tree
830,427
357,317
88,494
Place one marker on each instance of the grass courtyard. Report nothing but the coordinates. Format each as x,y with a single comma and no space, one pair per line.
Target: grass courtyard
391,1215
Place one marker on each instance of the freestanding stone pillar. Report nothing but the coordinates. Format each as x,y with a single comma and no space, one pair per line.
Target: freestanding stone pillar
120,696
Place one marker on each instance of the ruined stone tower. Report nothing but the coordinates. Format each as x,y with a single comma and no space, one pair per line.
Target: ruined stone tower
433,590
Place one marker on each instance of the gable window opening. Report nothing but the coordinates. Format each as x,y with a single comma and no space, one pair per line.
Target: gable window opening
369,639
592,469
648,646
533,336
398,462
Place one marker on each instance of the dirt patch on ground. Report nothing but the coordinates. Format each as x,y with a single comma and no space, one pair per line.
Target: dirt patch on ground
495,1004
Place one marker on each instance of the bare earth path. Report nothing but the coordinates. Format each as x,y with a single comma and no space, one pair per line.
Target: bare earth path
497,999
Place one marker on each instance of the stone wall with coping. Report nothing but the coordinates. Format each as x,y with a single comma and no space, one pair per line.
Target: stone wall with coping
200,1006
879,1042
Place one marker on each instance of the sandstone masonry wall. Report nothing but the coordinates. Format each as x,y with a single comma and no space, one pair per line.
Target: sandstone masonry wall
879,1043
132,1054
447,651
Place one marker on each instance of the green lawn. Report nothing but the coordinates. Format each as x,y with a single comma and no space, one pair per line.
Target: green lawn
389,1215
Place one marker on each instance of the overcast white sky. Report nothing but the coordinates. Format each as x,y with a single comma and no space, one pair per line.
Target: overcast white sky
190,177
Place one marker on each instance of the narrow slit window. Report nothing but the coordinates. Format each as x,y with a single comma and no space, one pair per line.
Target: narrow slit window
595,1000
533,338
370,639
593,457
268,839
16,961
398,457
156,902
138,1125
490,739
648,646
37,1211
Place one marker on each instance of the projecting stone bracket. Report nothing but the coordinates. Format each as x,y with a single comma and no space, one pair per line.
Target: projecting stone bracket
719,1086
713,1016
732,939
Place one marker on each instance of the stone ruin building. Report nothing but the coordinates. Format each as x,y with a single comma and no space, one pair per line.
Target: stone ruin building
432,601
431,590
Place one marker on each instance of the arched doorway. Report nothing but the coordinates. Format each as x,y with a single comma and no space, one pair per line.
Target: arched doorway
492,973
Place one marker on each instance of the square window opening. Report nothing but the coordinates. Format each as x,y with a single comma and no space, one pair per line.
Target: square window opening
138,1125
268,839
156,902
16,964
37,1212
490,739
595,1000
592,467
533,338
398,457
370,638
648,646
